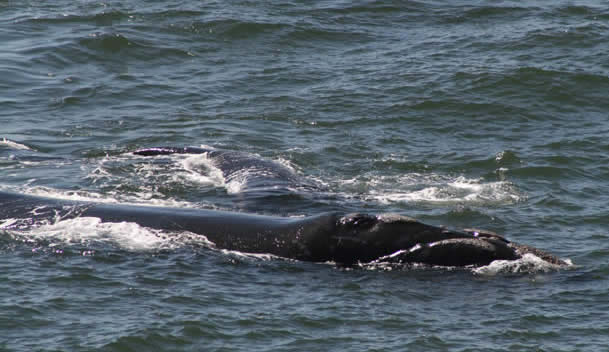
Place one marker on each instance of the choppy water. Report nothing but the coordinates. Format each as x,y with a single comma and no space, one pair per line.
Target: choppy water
462,113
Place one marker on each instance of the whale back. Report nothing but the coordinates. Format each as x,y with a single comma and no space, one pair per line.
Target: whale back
247,172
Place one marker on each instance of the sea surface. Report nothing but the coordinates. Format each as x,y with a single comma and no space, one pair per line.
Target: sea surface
489,114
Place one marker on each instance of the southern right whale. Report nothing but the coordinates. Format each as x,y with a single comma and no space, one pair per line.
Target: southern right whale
343,238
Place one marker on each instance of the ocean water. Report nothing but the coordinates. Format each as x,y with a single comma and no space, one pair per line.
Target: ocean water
461,113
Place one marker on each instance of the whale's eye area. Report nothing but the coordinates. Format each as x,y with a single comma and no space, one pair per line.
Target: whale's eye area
358,220
486,234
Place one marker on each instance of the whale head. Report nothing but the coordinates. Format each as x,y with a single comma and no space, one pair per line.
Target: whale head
368,237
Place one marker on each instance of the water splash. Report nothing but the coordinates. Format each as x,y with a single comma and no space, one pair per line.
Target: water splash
434,188
529,263
200,169
125,235
14,145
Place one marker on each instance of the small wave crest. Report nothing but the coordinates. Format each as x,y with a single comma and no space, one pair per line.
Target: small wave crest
256,256
13,145
110,197
82,196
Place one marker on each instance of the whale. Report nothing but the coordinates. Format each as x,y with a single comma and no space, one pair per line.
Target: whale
345,239
253,172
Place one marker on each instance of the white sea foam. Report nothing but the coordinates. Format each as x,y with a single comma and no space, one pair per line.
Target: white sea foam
47,192
437,189
14,145
126,235
145,181
287,164
111,197
257,256
185,169
201,170
6,223
237,181
529,263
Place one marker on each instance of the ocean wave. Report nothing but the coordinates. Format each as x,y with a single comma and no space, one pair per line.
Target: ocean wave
236,29
13,145
132,44
545,172
563,87
589,12
368,7
103,18
487,13
575,36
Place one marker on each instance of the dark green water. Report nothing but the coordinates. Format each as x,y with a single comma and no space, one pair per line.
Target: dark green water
463,113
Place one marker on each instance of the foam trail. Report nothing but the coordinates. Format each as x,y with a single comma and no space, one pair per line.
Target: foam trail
78,196
126,235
